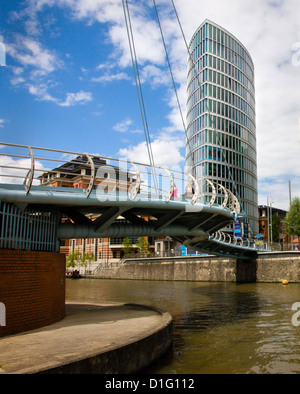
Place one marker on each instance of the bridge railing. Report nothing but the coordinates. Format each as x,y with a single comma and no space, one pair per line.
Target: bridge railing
28,230
67,170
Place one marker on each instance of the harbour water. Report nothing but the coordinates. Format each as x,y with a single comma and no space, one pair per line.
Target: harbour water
223,328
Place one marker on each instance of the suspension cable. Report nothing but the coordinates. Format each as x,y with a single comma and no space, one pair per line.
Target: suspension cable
138,84
171,73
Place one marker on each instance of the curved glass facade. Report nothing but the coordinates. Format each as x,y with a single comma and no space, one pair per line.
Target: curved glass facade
221,131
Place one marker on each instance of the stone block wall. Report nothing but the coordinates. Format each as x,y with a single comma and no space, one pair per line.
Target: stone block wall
268,267
198,268
276,267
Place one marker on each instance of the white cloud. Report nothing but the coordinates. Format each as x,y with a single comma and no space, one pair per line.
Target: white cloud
76,98
17,70
154,75
30,52
123,127
107,78
36,64
40,91
147,42
14,171
166,153
17,81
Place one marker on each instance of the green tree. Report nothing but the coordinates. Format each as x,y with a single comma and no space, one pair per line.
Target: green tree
72,259
275,228
85,259
127,246
292,220
143,245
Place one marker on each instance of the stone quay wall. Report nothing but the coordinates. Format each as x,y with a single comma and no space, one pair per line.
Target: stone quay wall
278,266
268,267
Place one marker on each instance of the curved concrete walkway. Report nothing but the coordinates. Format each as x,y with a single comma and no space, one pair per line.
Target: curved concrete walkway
92,338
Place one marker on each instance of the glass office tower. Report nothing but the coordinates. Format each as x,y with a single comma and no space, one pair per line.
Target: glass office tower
221,133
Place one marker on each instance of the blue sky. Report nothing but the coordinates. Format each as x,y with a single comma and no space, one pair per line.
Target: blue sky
63,87
68,81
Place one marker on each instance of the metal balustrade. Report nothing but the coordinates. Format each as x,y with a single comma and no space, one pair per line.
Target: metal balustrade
105,175
28,230
39,186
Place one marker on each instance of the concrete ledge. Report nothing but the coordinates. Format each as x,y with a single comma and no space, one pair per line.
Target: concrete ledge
92,338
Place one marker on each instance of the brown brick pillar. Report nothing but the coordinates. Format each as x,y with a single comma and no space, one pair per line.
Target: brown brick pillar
32,290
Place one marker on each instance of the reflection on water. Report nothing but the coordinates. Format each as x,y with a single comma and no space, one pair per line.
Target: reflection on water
218,327
222,306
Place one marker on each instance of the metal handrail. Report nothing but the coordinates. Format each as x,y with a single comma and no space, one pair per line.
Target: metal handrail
138,183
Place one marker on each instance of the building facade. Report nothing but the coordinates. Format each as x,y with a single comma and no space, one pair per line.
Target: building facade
272,225
221,130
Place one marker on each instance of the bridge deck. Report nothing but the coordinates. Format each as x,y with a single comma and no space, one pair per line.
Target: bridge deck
90,192
191,225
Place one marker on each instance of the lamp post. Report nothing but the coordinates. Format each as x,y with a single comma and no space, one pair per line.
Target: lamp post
268,227
269,215
271,230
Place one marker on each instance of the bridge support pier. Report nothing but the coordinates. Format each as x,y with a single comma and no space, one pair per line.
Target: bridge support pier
32,289
246,271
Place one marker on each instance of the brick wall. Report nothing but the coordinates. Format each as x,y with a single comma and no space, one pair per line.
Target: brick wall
32,289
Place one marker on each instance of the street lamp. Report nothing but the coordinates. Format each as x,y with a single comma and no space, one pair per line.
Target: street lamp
269,215
269,210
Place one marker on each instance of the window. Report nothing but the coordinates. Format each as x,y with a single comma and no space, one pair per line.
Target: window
214,33
214,153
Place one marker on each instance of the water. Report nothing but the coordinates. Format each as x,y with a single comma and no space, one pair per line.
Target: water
223,328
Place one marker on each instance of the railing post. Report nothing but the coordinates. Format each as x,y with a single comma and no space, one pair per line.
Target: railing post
30,173
135,188
214,192
196,190
224,204
172,185
92,178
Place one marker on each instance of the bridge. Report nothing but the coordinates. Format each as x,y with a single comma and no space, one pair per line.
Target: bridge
47,195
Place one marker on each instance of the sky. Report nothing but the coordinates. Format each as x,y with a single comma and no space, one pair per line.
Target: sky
67,80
